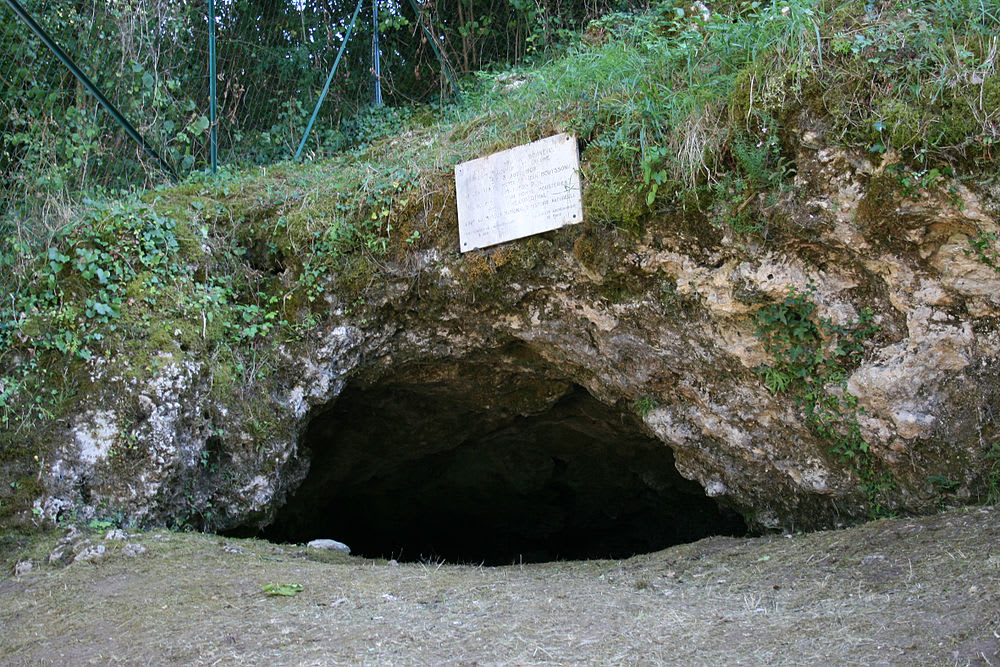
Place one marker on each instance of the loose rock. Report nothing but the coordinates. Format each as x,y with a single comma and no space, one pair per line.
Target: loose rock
330,545
91,554
133,549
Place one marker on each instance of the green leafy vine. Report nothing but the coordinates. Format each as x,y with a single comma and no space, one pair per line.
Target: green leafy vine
812,359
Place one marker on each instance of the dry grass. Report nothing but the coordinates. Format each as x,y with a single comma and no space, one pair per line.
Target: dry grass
901,591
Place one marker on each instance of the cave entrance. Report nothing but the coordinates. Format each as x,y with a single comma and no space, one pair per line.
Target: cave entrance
465,463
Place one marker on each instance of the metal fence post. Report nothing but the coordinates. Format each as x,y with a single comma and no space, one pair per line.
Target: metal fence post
212,120
329,80
376,56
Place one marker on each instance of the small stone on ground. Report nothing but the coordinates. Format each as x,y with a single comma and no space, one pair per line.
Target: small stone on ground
331,545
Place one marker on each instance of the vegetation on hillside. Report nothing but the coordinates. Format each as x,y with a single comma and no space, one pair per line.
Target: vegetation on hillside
150,57
676,110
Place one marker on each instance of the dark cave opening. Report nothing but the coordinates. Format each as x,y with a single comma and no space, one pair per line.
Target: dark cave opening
470,465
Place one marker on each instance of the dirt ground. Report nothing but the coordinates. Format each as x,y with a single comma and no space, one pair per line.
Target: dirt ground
896,591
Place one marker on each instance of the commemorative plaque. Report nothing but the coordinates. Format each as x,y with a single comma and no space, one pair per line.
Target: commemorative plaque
518,192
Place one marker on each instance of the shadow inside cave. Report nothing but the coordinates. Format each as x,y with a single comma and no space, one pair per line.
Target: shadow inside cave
473,465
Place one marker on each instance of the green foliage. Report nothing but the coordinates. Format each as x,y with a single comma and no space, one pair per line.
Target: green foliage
273,59
61,138
876,485
808,350
282,590
758,167
81,283
942,484
812,360
930,73
986,247
128,287
913,182
670,102
644,405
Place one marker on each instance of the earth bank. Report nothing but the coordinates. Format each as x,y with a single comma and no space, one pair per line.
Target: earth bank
844,369
782,310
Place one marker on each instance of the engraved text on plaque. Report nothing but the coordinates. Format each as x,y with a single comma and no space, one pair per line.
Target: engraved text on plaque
519,192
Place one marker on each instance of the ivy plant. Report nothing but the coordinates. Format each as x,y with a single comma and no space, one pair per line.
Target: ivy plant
812,358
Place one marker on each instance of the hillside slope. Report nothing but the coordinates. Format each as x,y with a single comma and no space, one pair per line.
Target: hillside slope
787,281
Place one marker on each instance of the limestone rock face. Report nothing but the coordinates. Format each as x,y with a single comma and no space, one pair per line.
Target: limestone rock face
661,326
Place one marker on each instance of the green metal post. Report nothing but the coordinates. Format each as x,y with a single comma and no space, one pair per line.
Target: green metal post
213,133
89,85
329,80
376,56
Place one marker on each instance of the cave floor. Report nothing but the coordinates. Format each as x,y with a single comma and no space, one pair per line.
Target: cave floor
895,591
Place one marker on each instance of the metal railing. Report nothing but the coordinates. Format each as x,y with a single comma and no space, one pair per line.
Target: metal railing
104,96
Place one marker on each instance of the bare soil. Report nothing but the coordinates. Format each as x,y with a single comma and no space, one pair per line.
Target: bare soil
895,591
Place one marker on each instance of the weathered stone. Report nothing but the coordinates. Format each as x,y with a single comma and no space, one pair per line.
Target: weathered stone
69,546
22,567
91,554
329,545
133,549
